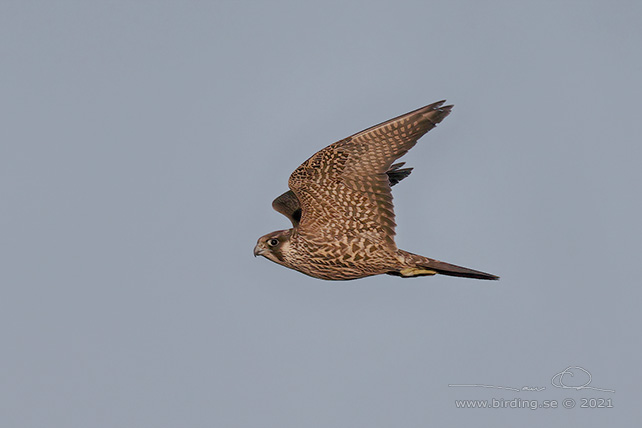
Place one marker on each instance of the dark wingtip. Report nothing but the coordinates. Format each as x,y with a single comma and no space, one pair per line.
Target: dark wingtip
436,112
439,105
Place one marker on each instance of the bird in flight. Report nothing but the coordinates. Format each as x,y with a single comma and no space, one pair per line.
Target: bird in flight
340,206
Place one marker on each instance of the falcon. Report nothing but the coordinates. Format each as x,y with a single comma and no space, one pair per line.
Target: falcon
340,206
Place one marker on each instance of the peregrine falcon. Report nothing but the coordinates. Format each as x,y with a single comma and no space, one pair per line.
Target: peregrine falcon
340,206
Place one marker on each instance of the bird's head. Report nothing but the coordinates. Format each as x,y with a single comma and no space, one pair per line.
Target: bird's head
274,246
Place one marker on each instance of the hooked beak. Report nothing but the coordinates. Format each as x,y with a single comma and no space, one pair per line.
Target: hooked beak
258,251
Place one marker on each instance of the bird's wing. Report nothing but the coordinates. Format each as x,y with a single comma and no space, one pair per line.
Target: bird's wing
344,189
288,204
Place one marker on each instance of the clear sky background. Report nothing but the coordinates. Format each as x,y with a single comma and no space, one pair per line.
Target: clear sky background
142,143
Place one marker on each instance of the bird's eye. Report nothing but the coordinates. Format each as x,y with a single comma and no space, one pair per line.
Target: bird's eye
273,242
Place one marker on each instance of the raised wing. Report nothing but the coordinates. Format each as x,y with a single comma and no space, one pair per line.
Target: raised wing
344,189
288,204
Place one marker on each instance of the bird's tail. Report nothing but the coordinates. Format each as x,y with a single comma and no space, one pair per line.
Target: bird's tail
416,265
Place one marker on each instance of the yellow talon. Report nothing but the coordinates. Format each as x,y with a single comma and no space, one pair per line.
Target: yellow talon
407,272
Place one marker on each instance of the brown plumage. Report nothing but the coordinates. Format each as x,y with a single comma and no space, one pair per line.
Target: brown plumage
340,206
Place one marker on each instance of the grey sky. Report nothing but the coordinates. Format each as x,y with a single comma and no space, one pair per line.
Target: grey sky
143,143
